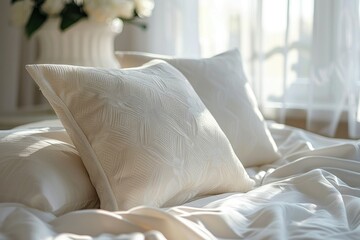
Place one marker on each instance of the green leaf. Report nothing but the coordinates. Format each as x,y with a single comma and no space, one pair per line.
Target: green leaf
36,19
70,15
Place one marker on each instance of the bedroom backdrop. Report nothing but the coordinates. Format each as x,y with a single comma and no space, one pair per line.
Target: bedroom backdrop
301,57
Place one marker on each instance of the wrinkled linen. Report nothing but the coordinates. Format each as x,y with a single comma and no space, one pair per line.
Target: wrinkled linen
312,192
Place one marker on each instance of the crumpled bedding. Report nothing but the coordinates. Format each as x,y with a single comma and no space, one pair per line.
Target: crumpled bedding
312,192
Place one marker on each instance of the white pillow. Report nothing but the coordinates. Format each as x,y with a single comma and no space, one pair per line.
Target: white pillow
221,84
43,172
143,134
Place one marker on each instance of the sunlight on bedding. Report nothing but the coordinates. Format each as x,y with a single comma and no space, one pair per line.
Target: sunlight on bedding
13,135
38,146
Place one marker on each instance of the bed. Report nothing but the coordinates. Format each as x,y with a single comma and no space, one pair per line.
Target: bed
166,159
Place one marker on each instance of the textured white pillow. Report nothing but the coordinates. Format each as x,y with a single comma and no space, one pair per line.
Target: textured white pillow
221,84
143,134
43,172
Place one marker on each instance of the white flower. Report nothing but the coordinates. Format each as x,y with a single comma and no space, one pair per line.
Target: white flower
53,7
20,12
103,10
144,7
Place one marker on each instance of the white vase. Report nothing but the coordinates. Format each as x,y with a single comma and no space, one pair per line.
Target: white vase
86,43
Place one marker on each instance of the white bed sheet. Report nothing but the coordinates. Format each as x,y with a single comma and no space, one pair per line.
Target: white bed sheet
313,192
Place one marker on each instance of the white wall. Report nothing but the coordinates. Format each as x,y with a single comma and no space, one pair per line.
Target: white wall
9,58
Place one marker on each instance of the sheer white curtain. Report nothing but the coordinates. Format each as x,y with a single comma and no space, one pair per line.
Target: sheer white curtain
302,57
335,78
173,29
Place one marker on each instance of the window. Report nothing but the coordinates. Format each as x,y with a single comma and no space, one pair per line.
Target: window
302,57
275,41
286,46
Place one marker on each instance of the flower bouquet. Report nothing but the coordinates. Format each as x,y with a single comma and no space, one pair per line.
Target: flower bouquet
32,14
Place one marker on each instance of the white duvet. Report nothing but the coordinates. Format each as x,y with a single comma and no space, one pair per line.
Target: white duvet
313,192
